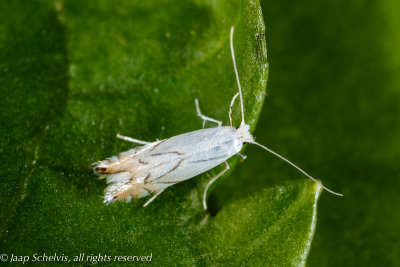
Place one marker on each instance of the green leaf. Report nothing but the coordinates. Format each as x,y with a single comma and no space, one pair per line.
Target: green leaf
77,73
271,228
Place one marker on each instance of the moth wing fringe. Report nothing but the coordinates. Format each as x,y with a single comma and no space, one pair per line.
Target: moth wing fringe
105,167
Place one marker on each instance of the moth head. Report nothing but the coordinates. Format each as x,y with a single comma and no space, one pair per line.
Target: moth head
244,133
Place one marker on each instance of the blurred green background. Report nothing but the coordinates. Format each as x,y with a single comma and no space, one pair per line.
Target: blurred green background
334,108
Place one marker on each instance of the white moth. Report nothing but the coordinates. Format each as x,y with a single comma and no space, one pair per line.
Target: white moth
154,166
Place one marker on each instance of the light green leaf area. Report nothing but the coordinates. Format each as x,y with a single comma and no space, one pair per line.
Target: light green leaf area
76,73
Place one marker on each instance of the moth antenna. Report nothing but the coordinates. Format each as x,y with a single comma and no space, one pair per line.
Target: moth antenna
237,75
298,168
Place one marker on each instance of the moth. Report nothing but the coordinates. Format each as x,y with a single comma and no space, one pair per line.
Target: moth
152,167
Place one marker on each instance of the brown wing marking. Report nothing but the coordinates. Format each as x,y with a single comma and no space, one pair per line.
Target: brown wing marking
171,170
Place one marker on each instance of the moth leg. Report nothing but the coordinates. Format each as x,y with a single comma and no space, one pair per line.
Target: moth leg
153,197
205,118
133,140
242,156
212,181
230,108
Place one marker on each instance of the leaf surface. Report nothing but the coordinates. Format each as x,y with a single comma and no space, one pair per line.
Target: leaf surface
76,74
